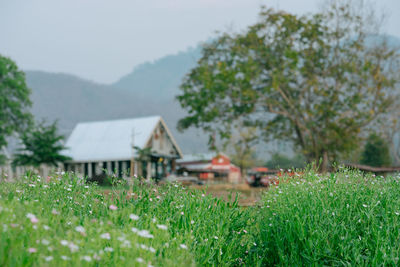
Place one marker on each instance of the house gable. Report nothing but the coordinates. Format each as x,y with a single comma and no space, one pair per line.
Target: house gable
162,142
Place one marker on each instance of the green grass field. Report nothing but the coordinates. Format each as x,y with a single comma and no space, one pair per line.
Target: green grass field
337,219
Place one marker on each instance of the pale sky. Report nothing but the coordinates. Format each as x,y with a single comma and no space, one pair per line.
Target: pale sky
101,40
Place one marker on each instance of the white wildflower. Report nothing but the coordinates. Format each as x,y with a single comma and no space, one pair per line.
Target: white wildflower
134,217
108,249
48,258
87,258
65,258
80,229
73,247
145,234
162,226
105,236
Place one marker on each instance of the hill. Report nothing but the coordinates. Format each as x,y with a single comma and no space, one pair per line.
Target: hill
149,89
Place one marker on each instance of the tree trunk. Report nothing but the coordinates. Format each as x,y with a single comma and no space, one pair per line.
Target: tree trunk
325,162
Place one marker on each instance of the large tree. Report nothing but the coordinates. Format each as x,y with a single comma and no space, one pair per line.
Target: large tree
41,145
315,80
14,101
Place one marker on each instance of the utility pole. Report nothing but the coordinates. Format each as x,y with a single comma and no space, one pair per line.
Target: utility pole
132,169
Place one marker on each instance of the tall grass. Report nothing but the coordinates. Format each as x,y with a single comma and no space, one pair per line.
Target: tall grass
338,219
63,222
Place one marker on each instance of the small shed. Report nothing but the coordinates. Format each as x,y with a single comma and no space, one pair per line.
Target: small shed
210,166
140,146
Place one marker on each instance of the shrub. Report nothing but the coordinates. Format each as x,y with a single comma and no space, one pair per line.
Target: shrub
376,152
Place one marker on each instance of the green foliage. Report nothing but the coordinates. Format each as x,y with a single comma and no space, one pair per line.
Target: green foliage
279,161
42,145
312,80
14,101
196,229
342,219
143,154
241,147
376,152
345,218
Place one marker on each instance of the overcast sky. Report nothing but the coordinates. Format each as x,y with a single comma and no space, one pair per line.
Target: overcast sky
102,40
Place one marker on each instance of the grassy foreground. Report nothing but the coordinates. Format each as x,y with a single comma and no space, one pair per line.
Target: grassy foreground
335,219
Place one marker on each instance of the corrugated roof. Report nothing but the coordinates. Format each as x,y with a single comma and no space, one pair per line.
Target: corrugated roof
109,140
197,157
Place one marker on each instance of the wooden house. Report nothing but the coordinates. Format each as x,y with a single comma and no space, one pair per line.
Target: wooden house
141,146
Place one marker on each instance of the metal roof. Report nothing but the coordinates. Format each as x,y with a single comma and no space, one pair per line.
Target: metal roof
110,140
197,157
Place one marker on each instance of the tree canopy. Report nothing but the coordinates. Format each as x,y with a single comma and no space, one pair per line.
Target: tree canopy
14,101
41,145
315,80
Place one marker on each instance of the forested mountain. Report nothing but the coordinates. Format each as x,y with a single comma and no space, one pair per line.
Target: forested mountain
149,89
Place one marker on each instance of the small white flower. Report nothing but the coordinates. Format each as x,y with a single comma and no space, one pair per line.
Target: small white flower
364,205
105,236
64,242
30,215
73,247
87,258
145,234
65,258
45,227
134,217
80,229
162,227
108,249
135,230
48,258
140,260
45,242
55,212
183,246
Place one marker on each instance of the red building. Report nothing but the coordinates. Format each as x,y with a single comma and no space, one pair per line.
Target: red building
217,167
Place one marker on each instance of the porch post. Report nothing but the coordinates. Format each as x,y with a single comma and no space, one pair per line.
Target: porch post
90,169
